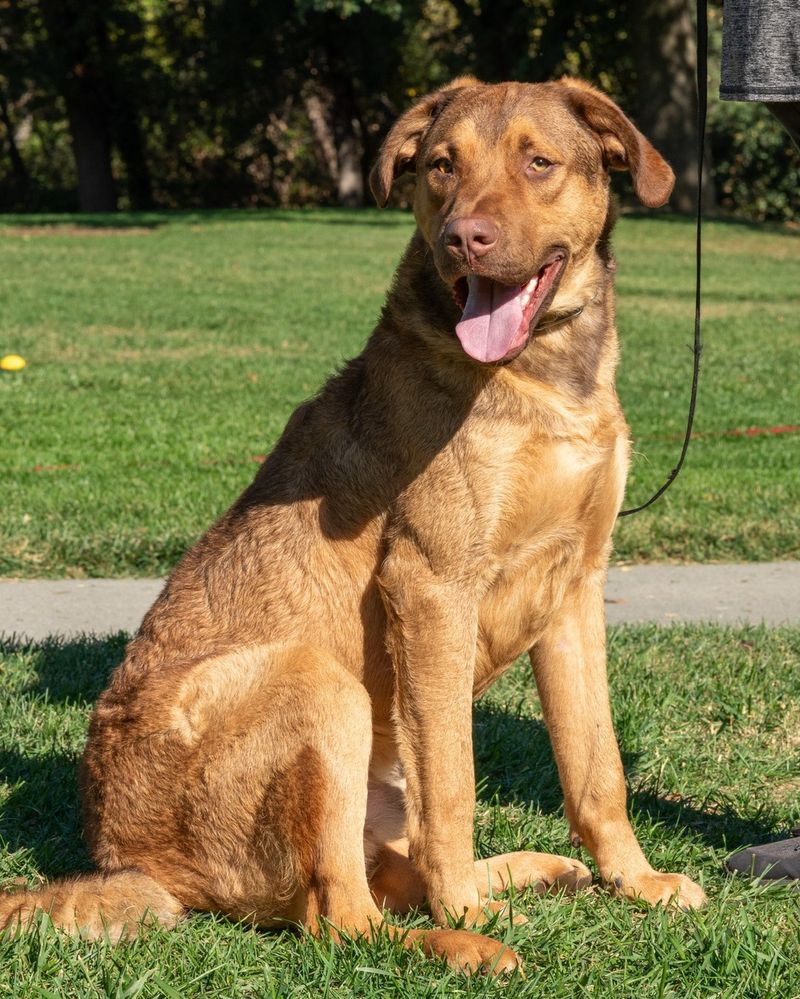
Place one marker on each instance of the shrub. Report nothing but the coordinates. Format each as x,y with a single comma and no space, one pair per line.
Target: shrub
756,168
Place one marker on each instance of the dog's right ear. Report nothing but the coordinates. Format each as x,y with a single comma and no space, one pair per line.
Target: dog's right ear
398,153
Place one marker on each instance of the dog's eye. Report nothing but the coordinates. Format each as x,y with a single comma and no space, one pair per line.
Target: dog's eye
442,165
539,164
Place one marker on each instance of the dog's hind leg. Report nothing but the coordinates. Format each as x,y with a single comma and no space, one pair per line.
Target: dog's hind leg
328,825
275,817
315,803
396,884
246,797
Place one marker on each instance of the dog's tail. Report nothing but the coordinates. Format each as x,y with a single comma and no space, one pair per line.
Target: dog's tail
94,906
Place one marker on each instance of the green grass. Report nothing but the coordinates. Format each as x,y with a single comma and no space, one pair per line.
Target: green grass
166,352
714,766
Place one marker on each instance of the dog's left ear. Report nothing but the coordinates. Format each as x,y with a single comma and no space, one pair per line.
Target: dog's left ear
624,146
399,150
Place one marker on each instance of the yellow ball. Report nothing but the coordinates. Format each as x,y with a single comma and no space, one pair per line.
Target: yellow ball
12,362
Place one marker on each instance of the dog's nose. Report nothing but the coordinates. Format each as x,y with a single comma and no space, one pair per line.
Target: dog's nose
471,237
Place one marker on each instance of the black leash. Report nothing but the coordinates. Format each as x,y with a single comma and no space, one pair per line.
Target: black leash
702,104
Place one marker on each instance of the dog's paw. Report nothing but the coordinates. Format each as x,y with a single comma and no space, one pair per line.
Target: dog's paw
542,872
471,952
673,890
572,877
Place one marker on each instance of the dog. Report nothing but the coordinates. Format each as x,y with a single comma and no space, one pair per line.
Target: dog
289,736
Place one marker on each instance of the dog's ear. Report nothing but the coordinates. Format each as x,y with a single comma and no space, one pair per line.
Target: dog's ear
400,147
624,146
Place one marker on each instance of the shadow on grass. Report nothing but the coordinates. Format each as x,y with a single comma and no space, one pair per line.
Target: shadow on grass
67,224
514,763
42,815
720,827
72,671
513,759
716,218
118,222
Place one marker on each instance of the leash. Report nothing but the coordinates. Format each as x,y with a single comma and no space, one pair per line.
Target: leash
702,106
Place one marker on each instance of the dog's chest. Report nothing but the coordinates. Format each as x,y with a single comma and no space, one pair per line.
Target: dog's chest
536,546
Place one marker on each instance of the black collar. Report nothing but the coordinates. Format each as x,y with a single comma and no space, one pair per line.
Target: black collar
548,323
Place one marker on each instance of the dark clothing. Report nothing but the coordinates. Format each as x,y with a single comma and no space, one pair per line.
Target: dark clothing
760,50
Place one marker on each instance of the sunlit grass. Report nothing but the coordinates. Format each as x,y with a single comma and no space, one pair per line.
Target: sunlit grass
166,352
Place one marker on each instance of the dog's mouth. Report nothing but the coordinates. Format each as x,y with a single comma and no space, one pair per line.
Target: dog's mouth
497,318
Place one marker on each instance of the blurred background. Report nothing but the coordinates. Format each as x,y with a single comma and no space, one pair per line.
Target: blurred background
137,104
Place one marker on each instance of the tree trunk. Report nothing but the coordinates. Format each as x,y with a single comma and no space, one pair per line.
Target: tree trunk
349,141
21,175
91,144
323,133
78,37
338,135
350,154
128,140
666,55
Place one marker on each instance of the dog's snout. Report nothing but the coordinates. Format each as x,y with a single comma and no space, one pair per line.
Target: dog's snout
470,238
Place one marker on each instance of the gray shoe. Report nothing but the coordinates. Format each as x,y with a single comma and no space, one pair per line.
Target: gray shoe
778,861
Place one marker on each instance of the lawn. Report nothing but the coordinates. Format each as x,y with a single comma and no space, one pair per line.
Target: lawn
714,767
165,354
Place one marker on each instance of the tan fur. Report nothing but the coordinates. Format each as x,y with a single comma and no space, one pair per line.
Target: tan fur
292,722
96,906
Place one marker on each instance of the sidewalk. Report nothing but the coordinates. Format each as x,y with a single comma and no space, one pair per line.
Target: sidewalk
767,592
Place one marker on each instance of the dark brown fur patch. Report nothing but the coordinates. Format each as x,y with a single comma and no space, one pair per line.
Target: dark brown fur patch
292,810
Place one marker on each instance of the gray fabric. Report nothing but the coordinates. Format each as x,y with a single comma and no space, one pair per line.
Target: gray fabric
760,50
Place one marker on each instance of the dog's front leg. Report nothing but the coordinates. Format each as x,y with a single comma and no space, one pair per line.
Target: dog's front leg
432,629
570,666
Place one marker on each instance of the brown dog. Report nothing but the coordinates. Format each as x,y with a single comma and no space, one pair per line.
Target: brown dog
289,737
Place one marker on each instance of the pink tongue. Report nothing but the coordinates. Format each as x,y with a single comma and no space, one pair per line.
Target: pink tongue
491,325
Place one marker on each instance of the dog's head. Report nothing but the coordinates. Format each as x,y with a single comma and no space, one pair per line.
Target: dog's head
512,194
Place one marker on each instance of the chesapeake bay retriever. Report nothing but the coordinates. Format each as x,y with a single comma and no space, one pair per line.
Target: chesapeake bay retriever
289,736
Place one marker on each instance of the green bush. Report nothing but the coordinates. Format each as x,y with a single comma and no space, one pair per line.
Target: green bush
756,168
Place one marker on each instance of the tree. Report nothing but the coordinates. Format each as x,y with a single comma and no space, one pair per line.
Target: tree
348,87
662,33
245,102
77,54
19,170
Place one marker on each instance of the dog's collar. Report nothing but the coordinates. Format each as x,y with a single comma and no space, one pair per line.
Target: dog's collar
547,324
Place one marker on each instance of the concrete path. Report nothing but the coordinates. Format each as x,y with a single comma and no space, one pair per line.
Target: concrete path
723,594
